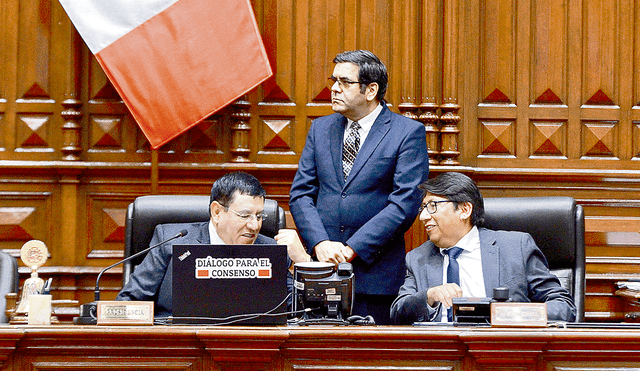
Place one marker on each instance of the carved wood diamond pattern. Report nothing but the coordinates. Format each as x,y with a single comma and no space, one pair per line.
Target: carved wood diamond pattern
548,139
548,97
36,91
113,227
32,131
497,138
16,223
636,139
277,134
599,139
106,132
2,125
204,136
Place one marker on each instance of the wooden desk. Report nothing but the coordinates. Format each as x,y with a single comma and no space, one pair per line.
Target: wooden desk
314,348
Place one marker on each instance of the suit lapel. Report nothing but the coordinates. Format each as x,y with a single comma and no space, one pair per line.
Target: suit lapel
434,266
378,131
203,233
336,133
490,261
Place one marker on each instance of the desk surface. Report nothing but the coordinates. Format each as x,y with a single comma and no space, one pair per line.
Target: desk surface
315,348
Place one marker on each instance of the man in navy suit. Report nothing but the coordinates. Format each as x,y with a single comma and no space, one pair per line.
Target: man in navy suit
355,192
236,205
452,211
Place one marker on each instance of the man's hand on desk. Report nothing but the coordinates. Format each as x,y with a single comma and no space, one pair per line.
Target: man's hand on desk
443,294
330,252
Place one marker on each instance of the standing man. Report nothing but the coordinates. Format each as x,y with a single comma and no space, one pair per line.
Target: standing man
354,195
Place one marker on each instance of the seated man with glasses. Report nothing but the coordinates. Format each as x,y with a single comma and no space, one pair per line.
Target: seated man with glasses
452,213
236,208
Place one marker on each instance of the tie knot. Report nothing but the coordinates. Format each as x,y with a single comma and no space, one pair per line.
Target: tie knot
355,126
453,252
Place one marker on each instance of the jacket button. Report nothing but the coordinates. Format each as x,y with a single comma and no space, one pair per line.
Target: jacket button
344,195
342,228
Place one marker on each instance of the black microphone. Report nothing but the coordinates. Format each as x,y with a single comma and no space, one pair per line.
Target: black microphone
88,311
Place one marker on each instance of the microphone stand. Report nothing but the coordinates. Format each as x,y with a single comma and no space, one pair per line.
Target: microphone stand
88,312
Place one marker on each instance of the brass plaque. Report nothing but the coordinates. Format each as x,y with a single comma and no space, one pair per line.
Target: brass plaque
125,313
518,314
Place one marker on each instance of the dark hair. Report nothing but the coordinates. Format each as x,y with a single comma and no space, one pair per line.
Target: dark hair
458,188
371,69
226,186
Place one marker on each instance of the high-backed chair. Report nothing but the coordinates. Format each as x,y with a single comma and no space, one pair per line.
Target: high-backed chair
8,281
148,211
556,225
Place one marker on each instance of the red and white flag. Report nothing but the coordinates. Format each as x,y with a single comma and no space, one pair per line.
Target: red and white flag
173,62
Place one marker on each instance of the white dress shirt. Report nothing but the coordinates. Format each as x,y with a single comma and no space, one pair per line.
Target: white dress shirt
213,235
470,264
365,124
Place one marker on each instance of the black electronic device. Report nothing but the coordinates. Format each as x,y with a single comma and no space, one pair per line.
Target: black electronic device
88,312
477,310
324,291
472,310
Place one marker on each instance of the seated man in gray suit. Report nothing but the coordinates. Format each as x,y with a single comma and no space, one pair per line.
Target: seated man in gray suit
452,211
236,205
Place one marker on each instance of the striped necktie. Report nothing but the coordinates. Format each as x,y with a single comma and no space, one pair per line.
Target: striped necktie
351,148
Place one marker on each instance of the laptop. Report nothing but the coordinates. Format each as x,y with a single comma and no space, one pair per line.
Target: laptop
229,284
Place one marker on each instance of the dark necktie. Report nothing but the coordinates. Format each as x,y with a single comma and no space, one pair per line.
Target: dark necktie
453,271
351,148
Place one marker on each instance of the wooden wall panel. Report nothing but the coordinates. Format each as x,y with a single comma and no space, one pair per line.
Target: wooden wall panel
531,97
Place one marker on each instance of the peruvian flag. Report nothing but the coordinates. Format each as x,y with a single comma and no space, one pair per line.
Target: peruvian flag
173,62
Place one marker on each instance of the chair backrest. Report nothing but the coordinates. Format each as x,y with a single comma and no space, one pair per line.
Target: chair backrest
556,225
146,212
9,281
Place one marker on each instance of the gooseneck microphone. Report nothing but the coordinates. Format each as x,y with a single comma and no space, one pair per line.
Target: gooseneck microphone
182,233
88,311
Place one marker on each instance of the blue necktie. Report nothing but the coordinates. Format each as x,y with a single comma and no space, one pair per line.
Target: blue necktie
453,271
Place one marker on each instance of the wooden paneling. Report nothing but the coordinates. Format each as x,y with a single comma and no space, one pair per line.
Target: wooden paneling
323,348
527,97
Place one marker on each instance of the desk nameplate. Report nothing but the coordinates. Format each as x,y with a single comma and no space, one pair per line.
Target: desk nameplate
518,314
125,313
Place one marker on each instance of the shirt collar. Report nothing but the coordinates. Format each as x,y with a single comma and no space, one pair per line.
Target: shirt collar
367,122
213,235
469,241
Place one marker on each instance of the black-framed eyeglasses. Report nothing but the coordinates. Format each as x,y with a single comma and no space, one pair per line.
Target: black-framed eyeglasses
431,206
331,80
248,217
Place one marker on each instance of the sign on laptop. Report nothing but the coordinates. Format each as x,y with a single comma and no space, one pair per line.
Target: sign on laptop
229,284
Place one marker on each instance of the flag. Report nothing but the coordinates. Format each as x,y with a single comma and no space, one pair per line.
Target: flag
173,62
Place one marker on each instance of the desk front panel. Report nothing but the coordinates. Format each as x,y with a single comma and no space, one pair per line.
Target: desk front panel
315,348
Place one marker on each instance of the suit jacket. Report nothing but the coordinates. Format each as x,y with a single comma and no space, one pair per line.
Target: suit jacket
372,210
509,259
152,279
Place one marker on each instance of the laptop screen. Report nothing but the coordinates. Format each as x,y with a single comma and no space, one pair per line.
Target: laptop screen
229,284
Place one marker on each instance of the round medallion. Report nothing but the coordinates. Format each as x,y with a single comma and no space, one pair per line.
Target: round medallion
34,253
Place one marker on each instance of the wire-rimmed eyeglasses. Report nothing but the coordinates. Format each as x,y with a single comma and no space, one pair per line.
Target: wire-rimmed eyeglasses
248,217
342,83
431,206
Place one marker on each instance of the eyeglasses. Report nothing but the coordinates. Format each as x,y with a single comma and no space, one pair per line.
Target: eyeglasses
248,217
431,206
341,82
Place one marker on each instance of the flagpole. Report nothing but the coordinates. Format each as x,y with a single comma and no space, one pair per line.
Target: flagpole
154,171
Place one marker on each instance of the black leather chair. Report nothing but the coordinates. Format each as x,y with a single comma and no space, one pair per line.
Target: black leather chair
148,211
557,226
9,281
